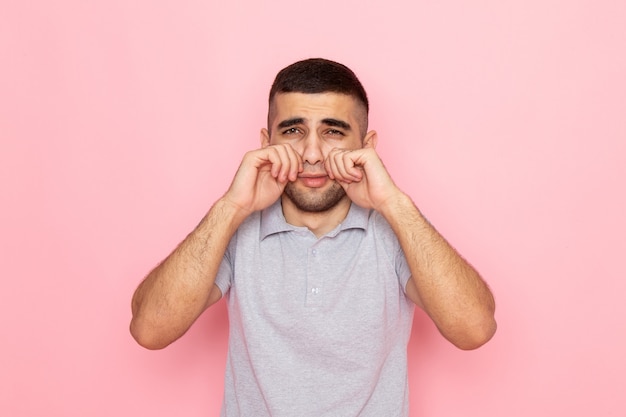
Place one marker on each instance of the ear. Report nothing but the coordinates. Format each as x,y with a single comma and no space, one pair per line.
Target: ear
265,138
370,140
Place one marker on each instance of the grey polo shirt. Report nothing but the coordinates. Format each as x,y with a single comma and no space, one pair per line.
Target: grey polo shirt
318,327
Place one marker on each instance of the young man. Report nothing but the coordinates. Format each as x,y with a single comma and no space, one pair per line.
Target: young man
321,258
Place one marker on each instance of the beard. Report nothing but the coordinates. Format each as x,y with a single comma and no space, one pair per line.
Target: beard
315,201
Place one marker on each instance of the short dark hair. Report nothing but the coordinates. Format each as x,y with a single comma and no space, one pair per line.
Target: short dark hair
318,75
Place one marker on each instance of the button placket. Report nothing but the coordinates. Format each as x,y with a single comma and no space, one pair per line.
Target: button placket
314,276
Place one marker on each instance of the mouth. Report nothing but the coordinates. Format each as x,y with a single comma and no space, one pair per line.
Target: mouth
313,180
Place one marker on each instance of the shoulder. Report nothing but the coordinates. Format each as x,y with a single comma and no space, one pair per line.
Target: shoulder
383,236
252,222
248,231
260,224
380,226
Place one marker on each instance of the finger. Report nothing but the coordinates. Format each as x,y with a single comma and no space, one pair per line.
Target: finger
286,162
342,165
296,164
275,160
336,164
334,169
328,167
351,165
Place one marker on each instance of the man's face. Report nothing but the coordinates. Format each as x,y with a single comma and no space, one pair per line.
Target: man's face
314,124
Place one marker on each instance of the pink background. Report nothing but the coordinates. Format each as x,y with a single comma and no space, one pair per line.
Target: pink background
122,121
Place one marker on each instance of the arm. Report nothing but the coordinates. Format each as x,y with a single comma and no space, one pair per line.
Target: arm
180,288
449,289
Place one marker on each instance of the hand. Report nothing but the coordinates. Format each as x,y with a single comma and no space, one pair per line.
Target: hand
362,175
262,176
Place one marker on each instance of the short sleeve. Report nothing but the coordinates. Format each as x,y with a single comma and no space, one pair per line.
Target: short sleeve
224,276
393,249
402,267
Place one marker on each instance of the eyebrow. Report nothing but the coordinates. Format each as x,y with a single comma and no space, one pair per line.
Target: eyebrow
337,123
290,122
328,122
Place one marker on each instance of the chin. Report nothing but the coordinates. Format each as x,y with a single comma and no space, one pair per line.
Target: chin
315,200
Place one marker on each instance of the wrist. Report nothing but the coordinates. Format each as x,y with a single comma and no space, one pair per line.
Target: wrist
229,212
398,208
394,202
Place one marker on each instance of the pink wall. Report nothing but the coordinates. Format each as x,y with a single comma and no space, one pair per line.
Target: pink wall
122,121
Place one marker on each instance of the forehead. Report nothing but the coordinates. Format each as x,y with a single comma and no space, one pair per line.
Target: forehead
314,107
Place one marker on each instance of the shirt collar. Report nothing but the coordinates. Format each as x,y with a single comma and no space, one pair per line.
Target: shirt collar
273,220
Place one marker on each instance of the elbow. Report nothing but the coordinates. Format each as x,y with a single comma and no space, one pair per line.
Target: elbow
475,336
469,333
145,337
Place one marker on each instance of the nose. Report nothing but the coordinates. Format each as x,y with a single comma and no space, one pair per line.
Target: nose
312,149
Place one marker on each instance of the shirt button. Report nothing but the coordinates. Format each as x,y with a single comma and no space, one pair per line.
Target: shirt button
314,251
315,290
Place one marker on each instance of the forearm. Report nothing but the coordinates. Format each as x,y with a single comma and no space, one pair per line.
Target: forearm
449,289
178,290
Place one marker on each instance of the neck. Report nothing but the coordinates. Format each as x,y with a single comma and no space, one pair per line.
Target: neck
319,223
